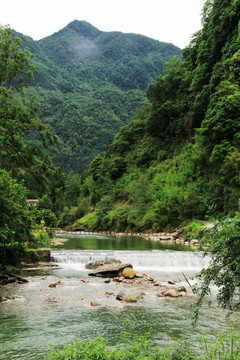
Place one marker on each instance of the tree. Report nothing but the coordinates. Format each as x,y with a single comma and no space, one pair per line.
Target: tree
19,123
14,217
19,126
224,268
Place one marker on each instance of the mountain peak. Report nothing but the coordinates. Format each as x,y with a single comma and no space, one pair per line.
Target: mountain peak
84,29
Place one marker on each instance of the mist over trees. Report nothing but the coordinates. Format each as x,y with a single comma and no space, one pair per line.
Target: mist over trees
90,83
179,156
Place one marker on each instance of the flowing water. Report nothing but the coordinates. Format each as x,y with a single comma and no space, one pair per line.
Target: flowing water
40,315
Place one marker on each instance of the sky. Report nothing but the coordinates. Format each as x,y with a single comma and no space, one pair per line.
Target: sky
173,21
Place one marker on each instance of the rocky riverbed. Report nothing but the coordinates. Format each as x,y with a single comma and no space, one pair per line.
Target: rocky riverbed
109,283
120,285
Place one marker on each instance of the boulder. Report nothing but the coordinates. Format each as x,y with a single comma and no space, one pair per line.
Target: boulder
96,264
53,285
128,273
181,288
8,278
107,292
130,298
86,281
120,296
149,278
171,293
134,297
111,270
139,275
94,303
20,278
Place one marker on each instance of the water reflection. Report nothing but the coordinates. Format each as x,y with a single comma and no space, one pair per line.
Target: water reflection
100,242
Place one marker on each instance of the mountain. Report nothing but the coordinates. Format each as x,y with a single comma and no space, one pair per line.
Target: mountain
179,158
90,83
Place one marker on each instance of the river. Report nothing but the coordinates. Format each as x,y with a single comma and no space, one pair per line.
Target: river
39,315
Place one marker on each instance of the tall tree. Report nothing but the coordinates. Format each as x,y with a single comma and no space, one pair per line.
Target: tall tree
14,219
19,125
19,122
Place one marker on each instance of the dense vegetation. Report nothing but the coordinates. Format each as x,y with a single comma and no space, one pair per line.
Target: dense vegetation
141,347
89,83
179,158
19,154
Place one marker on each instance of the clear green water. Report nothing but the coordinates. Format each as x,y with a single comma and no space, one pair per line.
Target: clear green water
100,242
30,322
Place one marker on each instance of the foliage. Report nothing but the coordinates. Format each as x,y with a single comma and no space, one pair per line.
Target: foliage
90,83
223,346
135,347
18,114
224,270
195,229
19,126
42,240
14,220
179,157
67,217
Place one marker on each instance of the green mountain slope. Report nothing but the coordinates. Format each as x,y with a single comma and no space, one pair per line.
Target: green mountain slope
179,158
90,83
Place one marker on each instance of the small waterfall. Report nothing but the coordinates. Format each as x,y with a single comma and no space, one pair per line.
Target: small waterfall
156,260
80,257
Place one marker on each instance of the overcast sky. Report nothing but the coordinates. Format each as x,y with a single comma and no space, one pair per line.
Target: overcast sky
171,21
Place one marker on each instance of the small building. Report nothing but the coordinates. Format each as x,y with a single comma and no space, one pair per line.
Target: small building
32,202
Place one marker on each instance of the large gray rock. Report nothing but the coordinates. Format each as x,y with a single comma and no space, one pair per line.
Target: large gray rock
110,270
96,264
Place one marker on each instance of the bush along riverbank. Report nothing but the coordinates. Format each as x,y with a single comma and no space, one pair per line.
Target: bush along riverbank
142,347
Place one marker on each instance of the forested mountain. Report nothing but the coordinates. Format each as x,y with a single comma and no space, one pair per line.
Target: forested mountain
89,83
179,158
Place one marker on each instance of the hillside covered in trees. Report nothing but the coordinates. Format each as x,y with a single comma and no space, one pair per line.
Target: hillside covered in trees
89,83
179,158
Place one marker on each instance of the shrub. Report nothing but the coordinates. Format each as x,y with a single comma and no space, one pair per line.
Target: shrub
224,269
224,347
42,240
135,347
